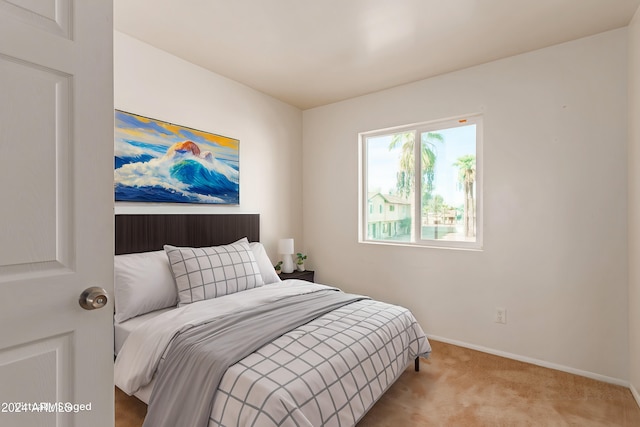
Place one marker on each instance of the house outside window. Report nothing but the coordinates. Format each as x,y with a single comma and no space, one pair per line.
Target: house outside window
441,204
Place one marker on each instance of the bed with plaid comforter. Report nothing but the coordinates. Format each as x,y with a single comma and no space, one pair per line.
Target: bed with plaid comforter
326,372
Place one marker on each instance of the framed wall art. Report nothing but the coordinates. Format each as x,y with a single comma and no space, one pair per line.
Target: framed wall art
157,161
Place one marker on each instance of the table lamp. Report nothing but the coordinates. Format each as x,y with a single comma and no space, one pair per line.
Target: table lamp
285,248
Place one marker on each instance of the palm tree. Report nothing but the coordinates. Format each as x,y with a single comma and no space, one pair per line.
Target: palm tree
405,181
467,176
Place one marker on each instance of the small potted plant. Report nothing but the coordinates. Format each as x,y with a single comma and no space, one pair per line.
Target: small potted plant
278,267
300,261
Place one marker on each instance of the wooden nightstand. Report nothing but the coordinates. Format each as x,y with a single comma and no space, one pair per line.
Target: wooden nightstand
302,275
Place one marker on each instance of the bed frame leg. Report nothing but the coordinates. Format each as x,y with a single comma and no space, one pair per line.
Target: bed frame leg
417,364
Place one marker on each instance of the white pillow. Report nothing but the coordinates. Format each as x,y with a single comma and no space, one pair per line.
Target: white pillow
267,271
205,273
143,283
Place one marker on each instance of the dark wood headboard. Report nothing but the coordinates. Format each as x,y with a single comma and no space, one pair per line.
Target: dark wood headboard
143,233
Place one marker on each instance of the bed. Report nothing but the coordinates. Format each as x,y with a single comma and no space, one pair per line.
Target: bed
208,335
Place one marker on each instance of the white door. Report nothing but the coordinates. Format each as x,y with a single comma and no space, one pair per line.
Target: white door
56,212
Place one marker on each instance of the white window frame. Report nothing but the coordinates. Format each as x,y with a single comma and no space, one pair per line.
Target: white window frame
419,128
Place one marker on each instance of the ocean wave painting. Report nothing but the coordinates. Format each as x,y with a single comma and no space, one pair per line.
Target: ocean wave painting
156,161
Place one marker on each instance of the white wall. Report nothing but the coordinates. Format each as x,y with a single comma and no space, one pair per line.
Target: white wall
153,83
634,205
555,185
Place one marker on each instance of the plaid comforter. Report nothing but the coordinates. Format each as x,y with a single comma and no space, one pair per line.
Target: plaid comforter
328,372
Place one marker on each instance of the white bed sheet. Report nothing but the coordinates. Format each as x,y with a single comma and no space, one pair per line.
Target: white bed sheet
122,330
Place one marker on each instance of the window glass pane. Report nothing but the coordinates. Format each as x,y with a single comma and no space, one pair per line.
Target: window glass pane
422,184
448,199
389,188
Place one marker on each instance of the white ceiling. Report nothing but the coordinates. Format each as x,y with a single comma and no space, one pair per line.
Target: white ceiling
314,52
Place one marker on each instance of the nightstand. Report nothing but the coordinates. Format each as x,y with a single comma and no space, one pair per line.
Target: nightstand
302,275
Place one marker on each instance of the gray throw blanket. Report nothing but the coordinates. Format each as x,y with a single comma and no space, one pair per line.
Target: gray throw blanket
198,358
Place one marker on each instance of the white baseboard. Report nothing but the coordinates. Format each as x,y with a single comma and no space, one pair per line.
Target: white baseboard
635,393
542,363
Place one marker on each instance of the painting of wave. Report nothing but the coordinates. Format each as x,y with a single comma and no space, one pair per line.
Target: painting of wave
156,161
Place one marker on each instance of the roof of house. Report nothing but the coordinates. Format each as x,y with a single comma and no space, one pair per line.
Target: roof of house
390,198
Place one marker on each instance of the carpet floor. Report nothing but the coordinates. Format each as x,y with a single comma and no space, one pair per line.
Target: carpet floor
462,387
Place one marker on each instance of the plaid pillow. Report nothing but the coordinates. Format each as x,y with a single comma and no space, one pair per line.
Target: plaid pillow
205,273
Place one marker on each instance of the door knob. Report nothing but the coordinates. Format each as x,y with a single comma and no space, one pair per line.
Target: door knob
92,298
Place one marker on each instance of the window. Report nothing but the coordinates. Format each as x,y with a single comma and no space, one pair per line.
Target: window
441,204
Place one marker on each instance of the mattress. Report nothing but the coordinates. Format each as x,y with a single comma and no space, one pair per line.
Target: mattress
121,333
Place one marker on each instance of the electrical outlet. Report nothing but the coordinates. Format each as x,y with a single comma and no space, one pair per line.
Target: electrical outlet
501,315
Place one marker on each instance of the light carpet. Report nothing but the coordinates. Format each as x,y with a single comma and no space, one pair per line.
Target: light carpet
462,387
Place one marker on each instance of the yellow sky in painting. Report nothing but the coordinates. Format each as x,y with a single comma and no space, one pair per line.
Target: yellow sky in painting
222,140
147,130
